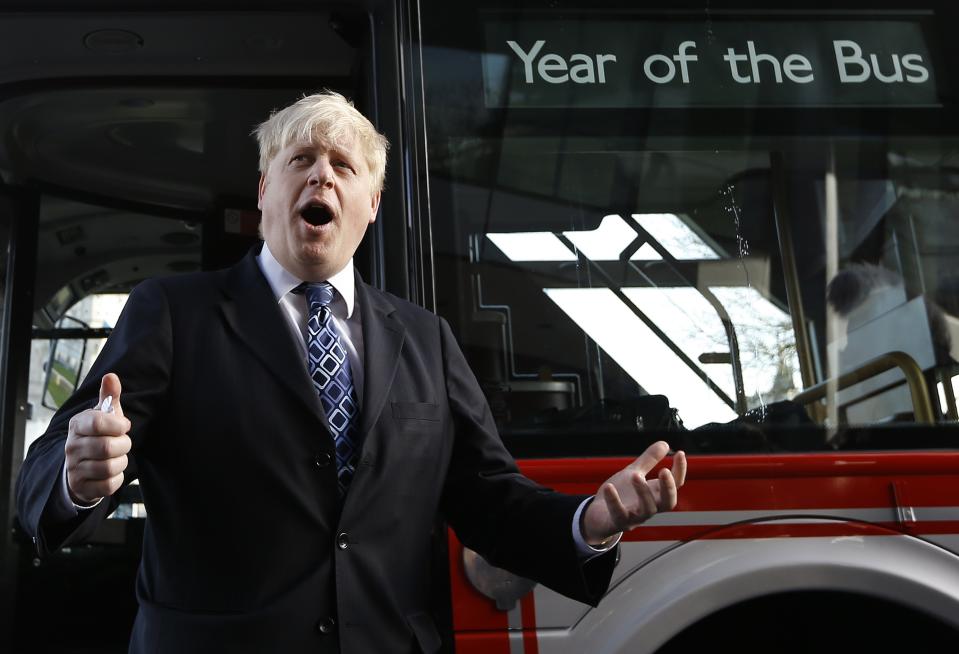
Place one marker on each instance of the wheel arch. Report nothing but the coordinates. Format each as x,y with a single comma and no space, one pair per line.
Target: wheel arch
684,586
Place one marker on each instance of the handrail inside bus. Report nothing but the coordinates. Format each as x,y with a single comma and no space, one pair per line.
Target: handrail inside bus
921,405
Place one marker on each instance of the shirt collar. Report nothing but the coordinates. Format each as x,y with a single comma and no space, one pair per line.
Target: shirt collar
282,281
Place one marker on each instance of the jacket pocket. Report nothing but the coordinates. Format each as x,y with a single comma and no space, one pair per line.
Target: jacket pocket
425,631
416,411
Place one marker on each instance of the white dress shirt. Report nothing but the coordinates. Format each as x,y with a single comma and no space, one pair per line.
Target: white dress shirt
346,313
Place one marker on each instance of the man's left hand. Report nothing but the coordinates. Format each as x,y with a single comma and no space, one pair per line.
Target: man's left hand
627,499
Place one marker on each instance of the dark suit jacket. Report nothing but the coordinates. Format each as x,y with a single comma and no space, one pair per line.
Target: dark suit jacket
247,546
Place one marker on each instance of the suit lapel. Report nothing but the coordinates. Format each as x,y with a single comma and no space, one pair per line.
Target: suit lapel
383,338
253,314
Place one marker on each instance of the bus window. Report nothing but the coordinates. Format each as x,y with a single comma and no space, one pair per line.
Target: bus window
61,358
620,254
89,257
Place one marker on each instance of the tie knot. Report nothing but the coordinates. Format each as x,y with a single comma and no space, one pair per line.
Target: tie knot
318,294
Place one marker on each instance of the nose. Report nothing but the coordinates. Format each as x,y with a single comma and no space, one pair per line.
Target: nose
322,173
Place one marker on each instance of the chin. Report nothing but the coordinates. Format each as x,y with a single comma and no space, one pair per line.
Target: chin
317,267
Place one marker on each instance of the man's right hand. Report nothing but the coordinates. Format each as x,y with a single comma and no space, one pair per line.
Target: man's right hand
97,446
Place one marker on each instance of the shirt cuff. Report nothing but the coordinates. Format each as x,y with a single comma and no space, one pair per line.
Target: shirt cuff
67,507
584,549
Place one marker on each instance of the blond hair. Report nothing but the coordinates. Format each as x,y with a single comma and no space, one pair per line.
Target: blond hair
327,118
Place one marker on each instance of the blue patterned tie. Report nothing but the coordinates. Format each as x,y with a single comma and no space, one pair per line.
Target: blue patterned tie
330,370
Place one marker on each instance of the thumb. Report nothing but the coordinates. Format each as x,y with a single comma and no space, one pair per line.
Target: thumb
110,387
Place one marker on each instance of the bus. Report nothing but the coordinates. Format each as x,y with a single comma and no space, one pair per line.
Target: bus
728,225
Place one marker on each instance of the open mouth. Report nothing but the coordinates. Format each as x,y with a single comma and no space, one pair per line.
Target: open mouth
316,214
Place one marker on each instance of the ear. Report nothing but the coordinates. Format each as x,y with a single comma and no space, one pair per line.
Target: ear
260,190
374,206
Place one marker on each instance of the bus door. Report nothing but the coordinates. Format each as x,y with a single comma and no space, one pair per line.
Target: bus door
733,229
130,130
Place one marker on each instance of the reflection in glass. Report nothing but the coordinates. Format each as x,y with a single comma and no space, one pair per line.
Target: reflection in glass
532,246
676,236
640,352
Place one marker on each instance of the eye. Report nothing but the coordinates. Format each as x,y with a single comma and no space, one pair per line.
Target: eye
342,163
300,158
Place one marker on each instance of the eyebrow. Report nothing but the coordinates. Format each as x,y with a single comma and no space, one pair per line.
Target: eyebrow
330,148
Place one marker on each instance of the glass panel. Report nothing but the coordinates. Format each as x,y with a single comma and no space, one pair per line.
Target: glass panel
597,243
64,366
89,257
54,378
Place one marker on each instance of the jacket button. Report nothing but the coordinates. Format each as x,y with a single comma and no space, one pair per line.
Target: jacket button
343,540
323,459
326,626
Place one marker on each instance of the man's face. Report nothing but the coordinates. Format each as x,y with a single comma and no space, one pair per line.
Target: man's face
316,202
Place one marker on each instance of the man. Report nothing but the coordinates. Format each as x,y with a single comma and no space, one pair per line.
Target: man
290,506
